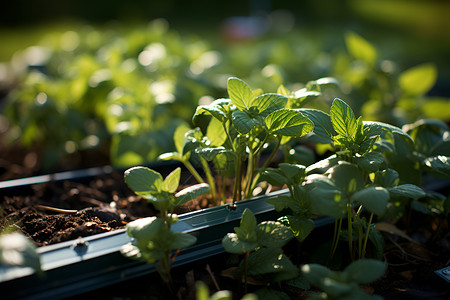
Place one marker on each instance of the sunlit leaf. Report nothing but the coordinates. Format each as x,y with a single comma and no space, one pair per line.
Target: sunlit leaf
171,182
143,181
240,94
191,193
360,48
288,122
419,79
343,120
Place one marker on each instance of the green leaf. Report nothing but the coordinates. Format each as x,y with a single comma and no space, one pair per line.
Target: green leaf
144,230
247,229
389,128
343,120
240,94
268,260
301,227
243,122
293,171
233,244
364,271
370,161
172,181
360,48
386,178
191,193
280,202
269,103
173,156
375,199
288,122
143,181
181,240
315,273
439,164
217,109
323,127
216,133
210,153
418,80
325,196
179,136
407,190
348,177
275,177
273,234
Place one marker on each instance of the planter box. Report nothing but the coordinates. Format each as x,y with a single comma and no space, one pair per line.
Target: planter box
93,262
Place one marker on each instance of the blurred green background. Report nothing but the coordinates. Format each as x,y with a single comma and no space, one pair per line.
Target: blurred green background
83,83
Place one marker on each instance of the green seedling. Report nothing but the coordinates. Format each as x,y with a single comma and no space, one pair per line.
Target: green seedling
153,239
344,284
261,245
298,202
251,121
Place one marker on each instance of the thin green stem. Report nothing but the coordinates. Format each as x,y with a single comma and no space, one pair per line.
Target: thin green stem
193,171
266,163
350,230
336,235
209,178
245,271
367,236
249,176
237,178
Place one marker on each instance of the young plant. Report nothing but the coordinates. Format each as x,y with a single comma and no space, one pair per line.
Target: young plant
299,204
261,244
153,239
347,185
251,121
344,284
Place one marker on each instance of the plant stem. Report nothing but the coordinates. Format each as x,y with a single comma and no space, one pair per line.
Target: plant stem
249,176
193,171
363,254
336,235
245,271
350,230
266,163
210,179
237,179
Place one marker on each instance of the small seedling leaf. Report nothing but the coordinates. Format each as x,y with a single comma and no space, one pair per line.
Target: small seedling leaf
216,133
344,120
364,271
407,190
301,227
171,182
360,48
181,240
240,94
375,199
418,80
191,193
273,234
143,181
